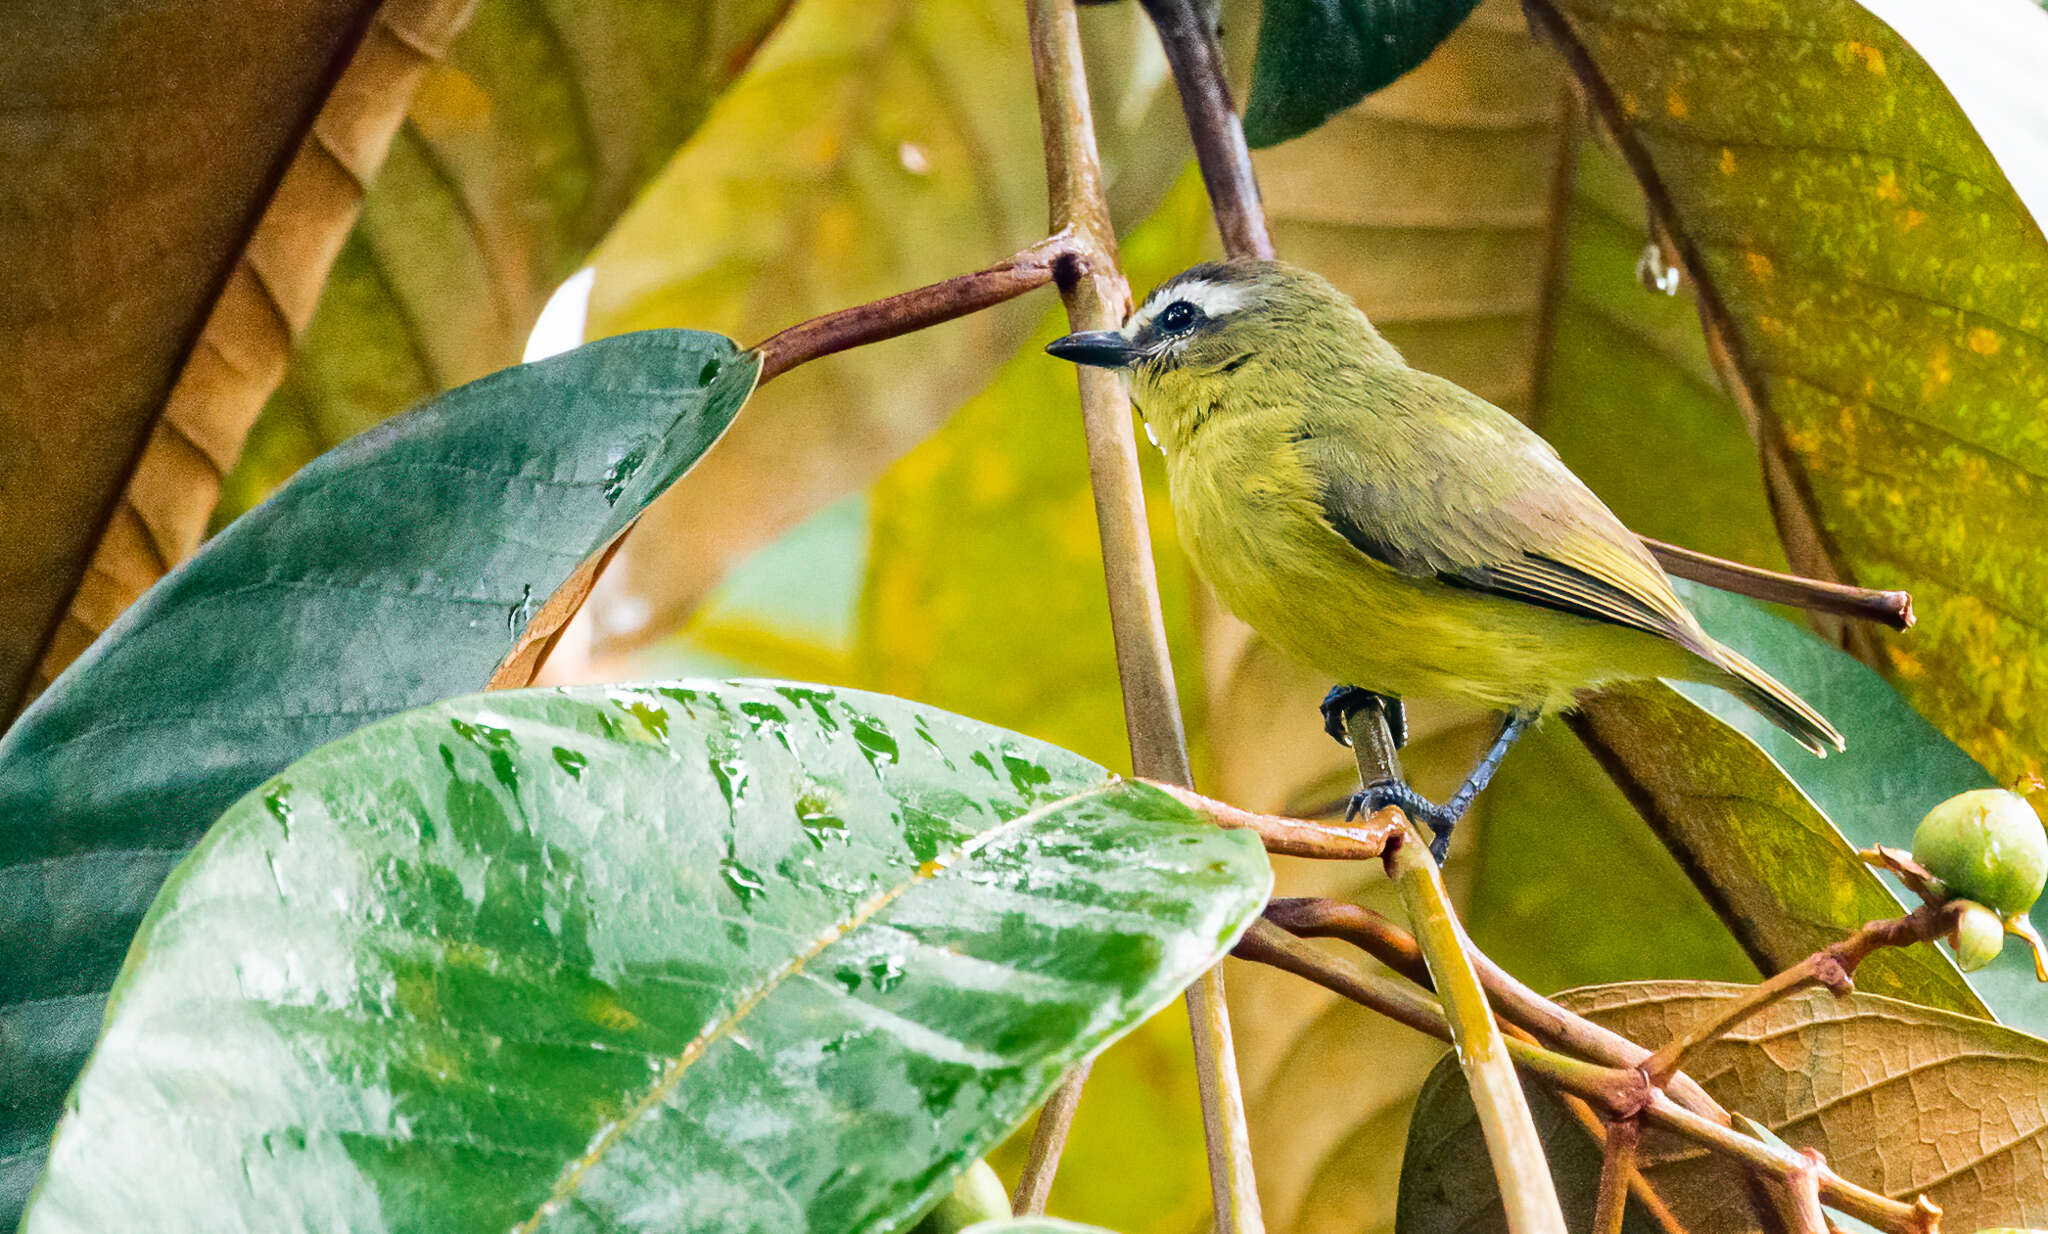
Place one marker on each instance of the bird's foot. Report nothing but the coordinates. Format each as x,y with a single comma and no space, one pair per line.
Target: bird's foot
1439,819
1341,701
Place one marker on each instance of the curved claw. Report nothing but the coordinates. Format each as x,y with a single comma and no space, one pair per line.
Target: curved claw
1439,819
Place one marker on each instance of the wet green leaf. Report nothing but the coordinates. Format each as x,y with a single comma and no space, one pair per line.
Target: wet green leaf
1899,1098
1318,57
704,956
400,568
520,150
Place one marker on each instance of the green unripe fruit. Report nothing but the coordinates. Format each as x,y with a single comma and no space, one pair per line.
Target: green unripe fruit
1979,937
1987,845
977,1195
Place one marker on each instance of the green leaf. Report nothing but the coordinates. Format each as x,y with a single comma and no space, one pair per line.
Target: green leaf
400,568
1318,57
1899,1098
706,956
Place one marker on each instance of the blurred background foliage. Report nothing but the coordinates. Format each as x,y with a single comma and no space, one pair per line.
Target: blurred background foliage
914,517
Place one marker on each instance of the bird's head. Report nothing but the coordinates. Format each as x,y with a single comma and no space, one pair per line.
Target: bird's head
1244,323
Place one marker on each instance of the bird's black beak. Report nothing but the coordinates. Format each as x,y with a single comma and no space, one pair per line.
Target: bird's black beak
1101,348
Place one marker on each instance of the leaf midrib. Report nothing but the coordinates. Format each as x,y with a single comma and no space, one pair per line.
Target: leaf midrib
672,1076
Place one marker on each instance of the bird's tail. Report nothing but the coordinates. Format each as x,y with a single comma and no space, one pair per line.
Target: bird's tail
1776,703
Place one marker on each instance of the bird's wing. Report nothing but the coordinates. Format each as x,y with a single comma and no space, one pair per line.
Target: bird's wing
1503,516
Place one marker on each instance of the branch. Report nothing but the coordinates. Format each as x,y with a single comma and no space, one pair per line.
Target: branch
1214,125
1832,966
1617,1093
1292,837
914,310
1526,1185
1554,1025
1887,608
1097,298
1617,1169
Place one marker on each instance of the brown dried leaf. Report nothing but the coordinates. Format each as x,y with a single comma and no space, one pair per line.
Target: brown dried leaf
177,182
1899,1098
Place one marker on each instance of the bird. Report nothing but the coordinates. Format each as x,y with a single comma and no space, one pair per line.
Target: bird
1391,529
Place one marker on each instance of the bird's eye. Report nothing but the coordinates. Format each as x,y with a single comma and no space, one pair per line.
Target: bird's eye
1178,316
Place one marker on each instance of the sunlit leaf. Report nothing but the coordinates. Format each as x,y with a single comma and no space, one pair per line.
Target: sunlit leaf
1882,285
424,559
699,957
1899,1098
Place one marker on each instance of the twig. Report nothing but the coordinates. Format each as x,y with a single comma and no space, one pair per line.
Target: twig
1097,298
1617,1169
1292,837
1832,966
1214,125
914,310
1645,1192
1048,1141
1617,1093
1526,1186
1554,1025
1887,608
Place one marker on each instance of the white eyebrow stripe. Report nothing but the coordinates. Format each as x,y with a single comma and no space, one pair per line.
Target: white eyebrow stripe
1214,299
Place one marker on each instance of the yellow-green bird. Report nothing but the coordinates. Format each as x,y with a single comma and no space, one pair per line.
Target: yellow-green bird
1391,528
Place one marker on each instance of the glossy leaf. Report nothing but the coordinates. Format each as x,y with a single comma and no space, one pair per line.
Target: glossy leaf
404,567
710,956
1318,57
1898,1097
1881,281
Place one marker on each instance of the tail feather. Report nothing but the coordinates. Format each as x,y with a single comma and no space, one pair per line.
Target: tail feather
1777,704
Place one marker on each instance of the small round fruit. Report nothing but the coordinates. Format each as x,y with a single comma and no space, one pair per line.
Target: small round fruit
1979,936
1986,845
977,1195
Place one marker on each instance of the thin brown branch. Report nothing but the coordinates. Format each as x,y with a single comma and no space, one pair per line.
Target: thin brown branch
1292,837
1048,1141
910,311
1617,1171
1887,608
1833,966
1213,124
1645,1193
1097,298
1616,1093
1555,1026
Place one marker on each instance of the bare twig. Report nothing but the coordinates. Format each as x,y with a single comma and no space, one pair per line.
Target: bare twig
914,310
1886,608
1616,1093
1553,1025
1097,298
1617,1170
1292,837
1048,1141
1832,966
1214,125
1526,1185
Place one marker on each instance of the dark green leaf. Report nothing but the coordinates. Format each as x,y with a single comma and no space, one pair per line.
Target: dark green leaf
710,956
1317,57
395,570
1899,1098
